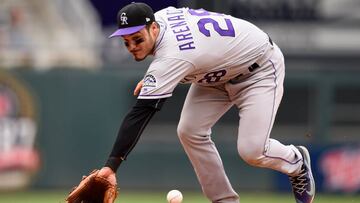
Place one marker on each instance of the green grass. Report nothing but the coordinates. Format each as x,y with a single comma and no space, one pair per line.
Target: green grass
159,197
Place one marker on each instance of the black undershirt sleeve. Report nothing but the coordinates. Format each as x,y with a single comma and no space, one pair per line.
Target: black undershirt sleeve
131,129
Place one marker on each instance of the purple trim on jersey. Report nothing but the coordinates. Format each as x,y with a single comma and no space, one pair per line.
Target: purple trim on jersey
126,31
272,113
155,95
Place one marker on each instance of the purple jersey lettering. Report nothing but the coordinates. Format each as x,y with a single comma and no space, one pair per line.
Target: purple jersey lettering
180,28
229,31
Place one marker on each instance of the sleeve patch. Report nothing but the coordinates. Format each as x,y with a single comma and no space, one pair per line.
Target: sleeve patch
149,81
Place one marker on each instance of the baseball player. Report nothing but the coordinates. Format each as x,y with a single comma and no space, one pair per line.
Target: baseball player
228,61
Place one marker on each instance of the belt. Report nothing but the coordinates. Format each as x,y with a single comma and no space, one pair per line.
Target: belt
270,40
256,65
251,68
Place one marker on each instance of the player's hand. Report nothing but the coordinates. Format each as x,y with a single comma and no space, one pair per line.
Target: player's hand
98,186
108,174
138,87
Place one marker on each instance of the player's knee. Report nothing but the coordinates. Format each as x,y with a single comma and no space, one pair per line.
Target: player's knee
183,131
186,131
251,155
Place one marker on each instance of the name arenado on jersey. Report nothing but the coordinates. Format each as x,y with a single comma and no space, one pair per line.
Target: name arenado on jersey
180,28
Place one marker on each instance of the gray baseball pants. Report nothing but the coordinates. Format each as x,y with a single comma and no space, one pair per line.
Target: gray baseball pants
257,96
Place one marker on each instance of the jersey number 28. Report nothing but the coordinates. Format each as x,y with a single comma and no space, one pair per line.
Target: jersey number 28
228,31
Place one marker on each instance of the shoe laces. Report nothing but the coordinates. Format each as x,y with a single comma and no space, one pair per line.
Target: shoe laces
299,182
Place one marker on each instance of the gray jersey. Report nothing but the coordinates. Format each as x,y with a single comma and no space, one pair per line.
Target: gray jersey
197,46
215,52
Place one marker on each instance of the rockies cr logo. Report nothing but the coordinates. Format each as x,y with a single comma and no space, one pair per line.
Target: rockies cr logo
123,19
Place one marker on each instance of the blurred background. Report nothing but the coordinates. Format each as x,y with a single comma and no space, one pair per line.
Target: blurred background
65,88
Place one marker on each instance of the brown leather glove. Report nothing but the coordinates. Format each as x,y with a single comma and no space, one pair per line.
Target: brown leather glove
93,189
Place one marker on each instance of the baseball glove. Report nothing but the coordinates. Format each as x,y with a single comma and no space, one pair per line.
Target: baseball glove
93,189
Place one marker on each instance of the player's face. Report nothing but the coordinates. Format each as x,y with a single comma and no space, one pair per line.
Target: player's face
141,44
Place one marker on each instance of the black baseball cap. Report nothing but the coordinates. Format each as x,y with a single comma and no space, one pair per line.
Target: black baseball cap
132,18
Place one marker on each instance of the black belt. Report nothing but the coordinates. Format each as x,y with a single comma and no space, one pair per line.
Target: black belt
255,65
270,40
251,68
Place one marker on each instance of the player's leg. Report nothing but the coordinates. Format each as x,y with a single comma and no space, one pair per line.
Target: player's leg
202,108
260,98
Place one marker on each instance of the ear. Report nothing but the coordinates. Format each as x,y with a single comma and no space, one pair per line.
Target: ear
154,26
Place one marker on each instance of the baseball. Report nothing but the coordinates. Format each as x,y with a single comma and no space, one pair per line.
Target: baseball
174,196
